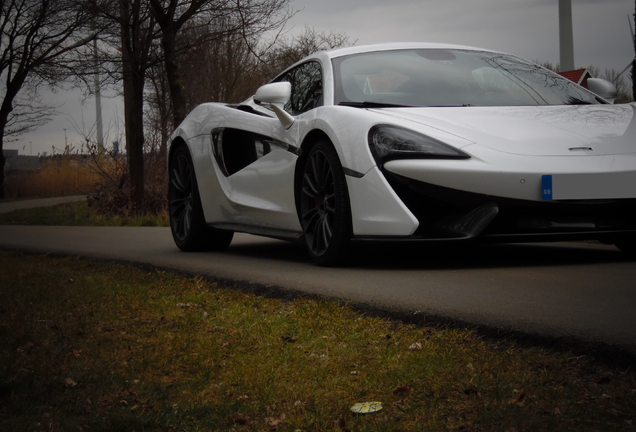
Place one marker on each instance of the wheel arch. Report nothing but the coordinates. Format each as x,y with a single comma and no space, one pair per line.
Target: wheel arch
310,140
174,145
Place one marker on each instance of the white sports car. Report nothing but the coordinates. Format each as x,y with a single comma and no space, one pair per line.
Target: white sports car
416,142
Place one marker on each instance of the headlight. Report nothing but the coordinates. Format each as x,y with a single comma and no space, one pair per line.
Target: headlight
390,142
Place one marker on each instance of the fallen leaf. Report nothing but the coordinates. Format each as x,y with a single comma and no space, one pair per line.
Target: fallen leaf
288,339
69,382
187,305
241,419
342,424
471,391
416,346
518,398
275,421
402,390
366,407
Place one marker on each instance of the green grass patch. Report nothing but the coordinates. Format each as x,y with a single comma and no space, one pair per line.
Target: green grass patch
102,347
76,214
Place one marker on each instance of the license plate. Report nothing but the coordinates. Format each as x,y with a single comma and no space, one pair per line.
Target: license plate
588,186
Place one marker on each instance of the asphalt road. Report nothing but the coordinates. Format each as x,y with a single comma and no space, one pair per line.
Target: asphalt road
583,292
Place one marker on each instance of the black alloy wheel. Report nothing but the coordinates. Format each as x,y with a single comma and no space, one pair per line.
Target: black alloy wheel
324,206
187,223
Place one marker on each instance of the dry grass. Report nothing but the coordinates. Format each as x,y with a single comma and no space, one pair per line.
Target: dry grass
59,176
104,179
103,347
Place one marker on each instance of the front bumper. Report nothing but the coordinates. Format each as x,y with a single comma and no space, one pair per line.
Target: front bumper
450,214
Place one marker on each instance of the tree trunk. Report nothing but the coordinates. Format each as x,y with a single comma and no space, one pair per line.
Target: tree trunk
168,41
133,77
134,112
5,110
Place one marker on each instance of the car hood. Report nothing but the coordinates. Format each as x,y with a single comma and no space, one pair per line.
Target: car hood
536,130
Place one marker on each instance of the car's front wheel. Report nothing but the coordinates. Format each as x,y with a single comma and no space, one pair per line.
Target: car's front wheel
187,223
324,206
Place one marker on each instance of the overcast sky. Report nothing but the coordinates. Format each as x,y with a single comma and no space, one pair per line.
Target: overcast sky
527,28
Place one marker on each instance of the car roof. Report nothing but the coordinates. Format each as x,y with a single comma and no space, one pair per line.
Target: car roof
339,52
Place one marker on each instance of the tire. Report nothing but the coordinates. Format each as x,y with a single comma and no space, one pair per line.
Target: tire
187,223
325,213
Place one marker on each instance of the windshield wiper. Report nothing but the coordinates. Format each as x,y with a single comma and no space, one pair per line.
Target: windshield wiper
374,105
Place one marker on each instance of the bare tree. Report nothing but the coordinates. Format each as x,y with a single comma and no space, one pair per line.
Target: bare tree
287,52
250,18
132,29
231,69
171,15
138,33
36,41
235,66
158,109
140,26
28,113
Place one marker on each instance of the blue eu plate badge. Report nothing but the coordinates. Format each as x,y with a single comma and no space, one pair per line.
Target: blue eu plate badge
546,184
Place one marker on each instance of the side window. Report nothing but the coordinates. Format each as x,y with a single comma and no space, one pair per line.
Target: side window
306,82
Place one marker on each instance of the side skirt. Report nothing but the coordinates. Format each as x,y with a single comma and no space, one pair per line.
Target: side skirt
261,231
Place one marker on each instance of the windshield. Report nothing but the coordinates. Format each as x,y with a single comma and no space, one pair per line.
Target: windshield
439,77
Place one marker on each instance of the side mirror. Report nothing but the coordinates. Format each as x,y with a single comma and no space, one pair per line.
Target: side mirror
603,88
276,95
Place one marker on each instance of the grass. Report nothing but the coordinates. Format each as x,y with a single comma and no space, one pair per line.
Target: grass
77,214
102,347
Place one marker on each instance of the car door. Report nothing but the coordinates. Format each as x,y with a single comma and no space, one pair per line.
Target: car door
258,156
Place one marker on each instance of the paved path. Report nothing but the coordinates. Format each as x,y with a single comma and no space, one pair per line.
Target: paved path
573,290
10,206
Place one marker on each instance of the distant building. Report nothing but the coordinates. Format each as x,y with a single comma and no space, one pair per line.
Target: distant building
579,76
9,153
16,162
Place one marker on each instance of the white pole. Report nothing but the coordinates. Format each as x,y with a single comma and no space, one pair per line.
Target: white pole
566,38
